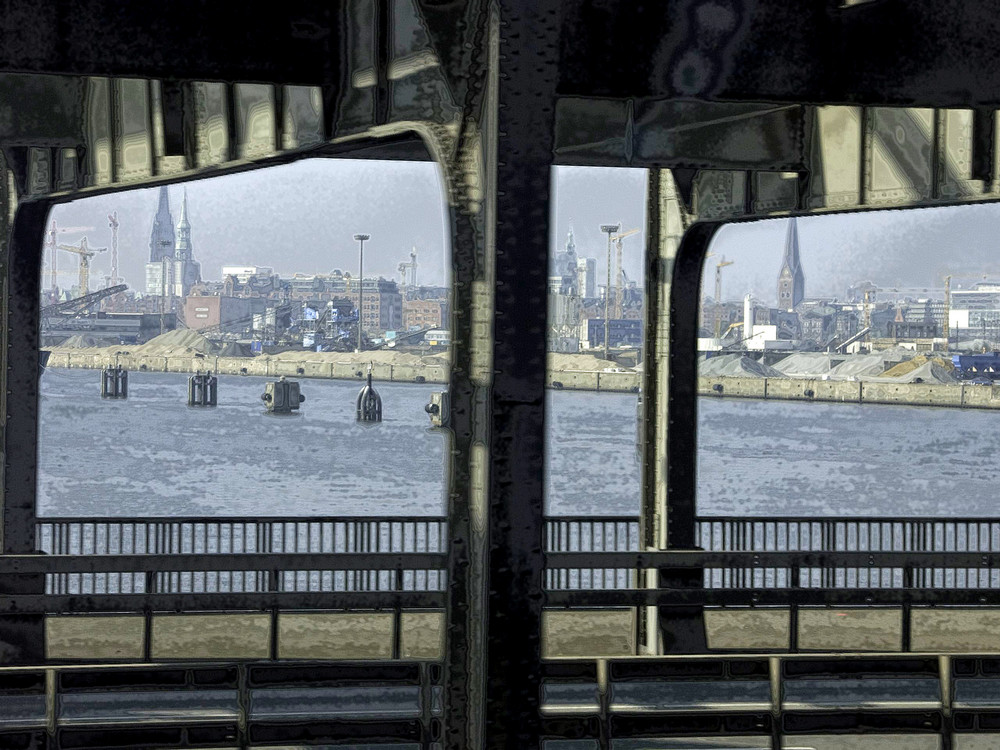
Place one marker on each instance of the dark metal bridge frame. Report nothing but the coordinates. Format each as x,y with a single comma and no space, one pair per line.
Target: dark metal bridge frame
727,106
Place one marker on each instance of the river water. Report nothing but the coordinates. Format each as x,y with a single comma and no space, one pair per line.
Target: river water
152,455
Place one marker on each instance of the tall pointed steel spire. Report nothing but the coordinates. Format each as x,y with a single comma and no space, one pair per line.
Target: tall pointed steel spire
791,280
182,248
161,238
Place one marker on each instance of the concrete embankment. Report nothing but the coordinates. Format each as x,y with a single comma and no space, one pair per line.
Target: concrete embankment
956,395
330,365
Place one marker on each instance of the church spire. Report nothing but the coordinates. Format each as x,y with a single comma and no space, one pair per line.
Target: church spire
182,249
161,238
791,280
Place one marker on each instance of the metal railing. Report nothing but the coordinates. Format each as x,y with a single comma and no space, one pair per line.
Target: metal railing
360,535
863,560
778,700
874,534
221,704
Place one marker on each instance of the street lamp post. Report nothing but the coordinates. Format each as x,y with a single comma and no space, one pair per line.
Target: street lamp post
610,229
361,281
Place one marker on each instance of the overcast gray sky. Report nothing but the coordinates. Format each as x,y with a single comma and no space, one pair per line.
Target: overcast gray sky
302,217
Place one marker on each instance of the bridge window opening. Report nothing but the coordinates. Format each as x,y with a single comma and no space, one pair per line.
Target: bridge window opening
250,278
596,284
846,388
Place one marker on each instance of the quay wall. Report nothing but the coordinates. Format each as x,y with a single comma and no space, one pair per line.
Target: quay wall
957,395
326,367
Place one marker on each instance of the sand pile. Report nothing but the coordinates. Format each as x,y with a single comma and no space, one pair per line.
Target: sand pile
869,365
80,341
919,370
179,342
807,364
735,366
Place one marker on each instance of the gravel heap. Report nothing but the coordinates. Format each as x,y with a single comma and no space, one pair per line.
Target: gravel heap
735,366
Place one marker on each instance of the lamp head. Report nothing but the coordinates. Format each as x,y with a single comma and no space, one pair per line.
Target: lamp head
362,237
610,228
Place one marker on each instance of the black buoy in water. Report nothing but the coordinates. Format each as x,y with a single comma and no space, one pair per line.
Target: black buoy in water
114,382
203,390
282,396
438,408
369,402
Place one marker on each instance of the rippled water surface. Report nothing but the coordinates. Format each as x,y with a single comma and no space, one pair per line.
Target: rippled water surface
153,456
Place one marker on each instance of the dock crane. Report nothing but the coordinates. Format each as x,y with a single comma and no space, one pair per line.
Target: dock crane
946,325
619,296
114,279
52,248
718,289
411,267
85,253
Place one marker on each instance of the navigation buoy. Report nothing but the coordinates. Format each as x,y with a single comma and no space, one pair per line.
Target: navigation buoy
114,382
282,396
203,390
369,402
438,408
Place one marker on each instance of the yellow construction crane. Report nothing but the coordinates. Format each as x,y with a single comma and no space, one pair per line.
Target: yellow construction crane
85,253
619,298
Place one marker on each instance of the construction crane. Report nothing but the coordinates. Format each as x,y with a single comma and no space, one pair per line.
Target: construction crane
619,297
946,326
114,280
412,267
85,253
718,291
866,318
52,248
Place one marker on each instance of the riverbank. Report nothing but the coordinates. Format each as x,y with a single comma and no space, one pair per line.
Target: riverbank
565,371
868,391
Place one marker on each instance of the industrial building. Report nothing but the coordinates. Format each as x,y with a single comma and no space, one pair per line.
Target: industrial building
622,332
108,328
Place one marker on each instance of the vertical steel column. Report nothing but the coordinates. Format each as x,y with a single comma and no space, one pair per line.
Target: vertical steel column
666,220
529,46
667,511
20,367
22,637
471,183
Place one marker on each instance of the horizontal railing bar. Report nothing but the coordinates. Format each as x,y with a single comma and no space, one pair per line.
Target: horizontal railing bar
548,665
288,561
558,519
234,519
598,598
772,597
844,519
220,602
771,559
206,562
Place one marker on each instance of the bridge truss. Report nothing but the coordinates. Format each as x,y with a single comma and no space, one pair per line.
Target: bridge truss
850,106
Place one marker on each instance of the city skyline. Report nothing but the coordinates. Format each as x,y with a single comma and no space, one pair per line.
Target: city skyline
302,218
